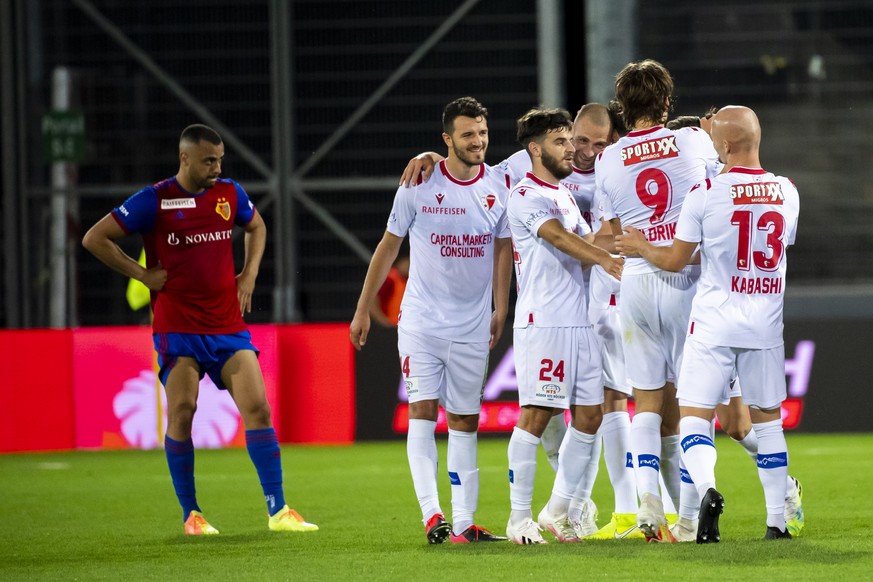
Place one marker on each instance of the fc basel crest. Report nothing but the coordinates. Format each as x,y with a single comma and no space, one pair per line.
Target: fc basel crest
222,208
488,201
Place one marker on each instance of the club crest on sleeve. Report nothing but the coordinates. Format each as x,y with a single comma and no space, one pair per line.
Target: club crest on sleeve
222,208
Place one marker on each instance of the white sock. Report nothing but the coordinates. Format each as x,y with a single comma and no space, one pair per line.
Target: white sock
773,469
689,501
463,469
522,470
422,454
749,443
645,438
698,452
589,475
615,431
670,470
552,438
572,465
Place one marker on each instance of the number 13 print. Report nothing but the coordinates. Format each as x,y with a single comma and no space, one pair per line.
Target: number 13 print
774,224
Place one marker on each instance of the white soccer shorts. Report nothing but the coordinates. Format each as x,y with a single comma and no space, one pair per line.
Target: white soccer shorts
706,370
437,369
557,367
655,308
607,329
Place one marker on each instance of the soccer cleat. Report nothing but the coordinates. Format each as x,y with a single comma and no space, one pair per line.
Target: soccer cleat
622,526
286,519
437,529
711,507
774,533
672,518
586,525
652,521
475,534
525,533
684,530
794,508
196,525
558,525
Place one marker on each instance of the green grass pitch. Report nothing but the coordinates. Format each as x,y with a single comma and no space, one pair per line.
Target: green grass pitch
113,516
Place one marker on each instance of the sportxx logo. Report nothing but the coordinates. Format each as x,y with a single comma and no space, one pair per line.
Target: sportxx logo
222,207
762,193
653,149
440,197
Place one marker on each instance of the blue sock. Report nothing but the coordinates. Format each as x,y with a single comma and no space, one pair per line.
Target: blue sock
263,446
180,458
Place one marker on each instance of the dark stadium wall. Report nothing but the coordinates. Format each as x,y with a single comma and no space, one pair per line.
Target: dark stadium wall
824,371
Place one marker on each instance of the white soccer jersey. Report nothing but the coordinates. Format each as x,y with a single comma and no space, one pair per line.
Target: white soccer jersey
744,220
516,167
551,286
452,225
645,176
580,183
603,288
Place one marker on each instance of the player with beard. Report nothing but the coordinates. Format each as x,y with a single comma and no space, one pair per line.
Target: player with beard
557,357
593,130
198,303
460,255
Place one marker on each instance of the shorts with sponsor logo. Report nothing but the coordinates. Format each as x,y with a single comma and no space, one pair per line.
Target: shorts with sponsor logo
655,308
557,367
437,369
607,327
211,352
707,370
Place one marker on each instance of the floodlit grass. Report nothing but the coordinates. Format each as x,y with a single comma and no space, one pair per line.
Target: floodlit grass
113,516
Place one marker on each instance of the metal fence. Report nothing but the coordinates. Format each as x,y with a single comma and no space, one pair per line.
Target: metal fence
321,102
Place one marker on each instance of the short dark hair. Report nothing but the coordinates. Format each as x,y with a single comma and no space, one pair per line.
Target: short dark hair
539,121
615,115
198,132
683,121
462,107
690,120
642,90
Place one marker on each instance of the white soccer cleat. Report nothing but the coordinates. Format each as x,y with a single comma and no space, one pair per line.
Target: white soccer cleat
558,525
525,533
684,530
652,521
794,507
586,525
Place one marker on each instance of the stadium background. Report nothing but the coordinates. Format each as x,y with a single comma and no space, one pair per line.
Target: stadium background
322,102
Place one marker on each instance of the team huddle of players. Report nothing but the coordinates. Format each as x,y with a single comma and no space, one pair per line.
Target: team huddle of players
649,261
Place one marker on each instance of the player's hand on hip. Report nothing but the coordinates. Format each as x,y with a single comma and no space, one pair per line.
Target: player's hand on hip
421,165
155,278
359,329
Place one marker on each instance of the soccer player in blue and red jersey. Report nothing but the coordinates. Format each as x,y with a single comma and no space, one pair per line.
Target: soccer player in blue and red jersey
198,303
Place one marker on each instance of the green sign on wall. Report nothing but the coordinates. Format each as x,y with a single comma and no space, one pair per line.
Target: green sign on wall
63,136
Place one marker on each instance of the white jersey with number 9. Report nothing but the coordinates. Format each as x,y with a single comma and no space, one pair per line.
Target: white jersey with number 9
644,177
